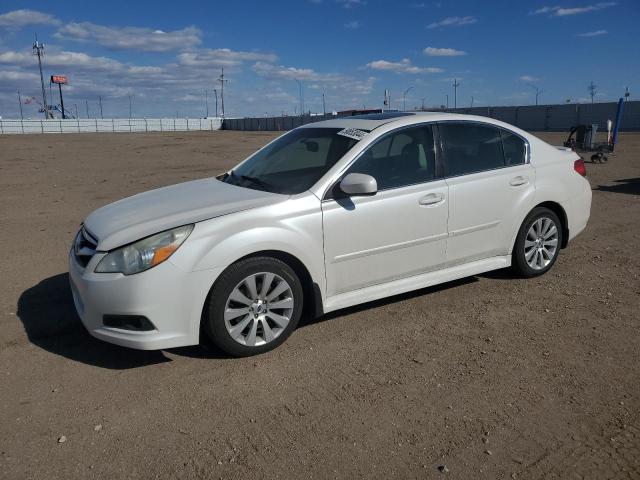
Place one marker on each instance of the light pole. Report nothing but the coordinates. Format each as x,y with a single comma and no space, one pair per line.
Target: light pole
20,103
423,98
324,108
38,49
538,91
592,90
206,101
404,98
222,80
301,97
86,105
456,84
100,102
215,93
130,107
447,95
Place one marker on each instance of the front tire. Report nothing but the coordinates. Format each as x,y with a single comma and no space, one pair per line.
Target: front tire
254,306
537,244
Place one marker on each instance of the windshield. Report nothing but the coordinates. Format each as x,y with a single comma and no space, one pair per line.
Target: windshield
292,163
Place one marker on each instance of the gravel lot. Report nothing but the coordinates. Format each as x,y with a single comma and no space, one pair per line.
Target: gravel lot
492,377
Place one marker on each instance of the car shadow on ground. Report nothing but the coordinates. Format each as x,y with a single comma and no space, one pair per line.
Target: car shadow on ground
51,322
630,186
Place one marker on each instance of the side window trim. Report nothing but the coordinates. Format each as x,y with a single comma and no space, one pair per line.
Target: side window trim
443,153
439,168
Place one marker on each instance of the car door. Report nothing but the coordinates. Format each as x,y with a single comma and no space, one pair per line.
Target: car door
398,232
491,187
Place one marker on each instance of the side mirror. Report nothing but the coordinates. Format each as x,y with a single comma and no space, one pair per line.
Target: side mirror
359,184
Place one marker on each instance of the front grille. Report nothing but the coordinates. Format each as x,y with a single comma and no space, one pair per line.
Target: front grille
84,247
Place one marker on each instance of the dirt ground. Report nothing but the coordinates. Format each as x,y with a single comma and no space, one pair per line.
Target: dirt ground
492,377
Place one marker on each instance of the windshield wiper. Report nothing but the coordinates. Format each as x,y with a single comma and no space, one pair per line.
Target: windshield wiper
255,181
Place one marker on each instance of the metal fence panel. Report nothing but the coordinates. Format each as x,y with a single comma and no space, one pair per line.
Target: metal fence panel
98,125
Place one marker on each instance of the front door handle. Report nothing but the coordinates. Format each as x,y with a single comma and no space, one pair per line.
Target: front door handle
431,199
519,180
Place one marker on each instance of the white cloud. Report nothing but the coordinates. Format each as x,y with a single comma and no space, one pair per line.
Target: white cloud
17,76
403,66
354,25
131,38
443,52
21,18
292,73
351,3
222,57
529,78
558,11
595,33
453,22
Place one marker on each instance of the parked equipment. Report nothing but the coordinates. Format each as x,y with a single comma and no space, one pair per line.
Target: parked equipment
585,139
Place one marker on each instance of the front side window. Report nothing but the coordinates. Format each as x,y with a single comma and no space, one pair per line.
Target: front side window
403,158
470,148
294,162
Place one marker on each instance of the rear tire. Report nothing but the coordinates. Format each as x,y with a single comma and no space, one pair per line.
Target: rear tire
253,307
538,243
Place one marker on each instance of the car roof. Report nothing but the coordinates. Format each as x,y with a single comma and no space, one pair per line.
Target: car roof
406,119
374,120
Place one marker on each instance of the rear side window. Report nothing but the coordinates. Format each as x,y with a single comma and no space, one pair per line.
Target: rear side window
403,158
514,148
470,148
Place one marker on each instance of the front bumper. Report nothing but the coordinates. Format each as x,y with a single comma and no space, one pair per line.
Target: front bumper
172,299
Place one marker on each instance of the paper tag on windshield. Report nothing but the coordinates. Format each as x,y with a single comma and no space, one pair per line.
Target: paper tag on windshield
353,133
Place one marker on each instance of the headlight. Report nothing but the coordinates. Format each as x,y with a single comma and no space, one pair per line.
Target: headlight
144,254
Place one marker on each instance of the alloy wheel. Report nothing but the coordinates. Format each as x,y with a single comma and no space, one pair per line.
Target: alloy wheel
541,243
258,309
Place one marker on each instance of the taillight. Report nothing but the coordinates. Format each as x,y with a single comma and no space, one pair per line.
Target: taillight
579,167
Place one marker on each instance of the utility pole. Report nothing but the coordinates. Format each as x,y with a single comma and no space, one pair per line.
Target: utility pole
447,95
20,103
324,108
592,90
422,108
301,97
129,106
404,98
215,92
456,84
626,94
38,49
206,101
75,106
471,101
538,91
100,101
222,80
86,104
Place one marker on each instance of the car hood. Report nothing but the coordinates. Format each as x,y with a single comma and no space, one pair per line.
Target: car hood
147,213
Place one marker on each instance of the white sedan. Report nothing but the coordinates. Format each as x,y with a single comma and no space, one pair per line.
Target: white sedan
329,215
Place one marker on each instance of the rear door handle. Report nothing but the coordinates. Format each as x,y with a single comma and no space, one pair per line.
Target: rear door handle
519,180
431,199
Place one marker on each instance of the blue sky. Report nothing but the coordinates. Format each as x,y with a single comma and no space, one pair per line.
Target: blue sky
166,54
